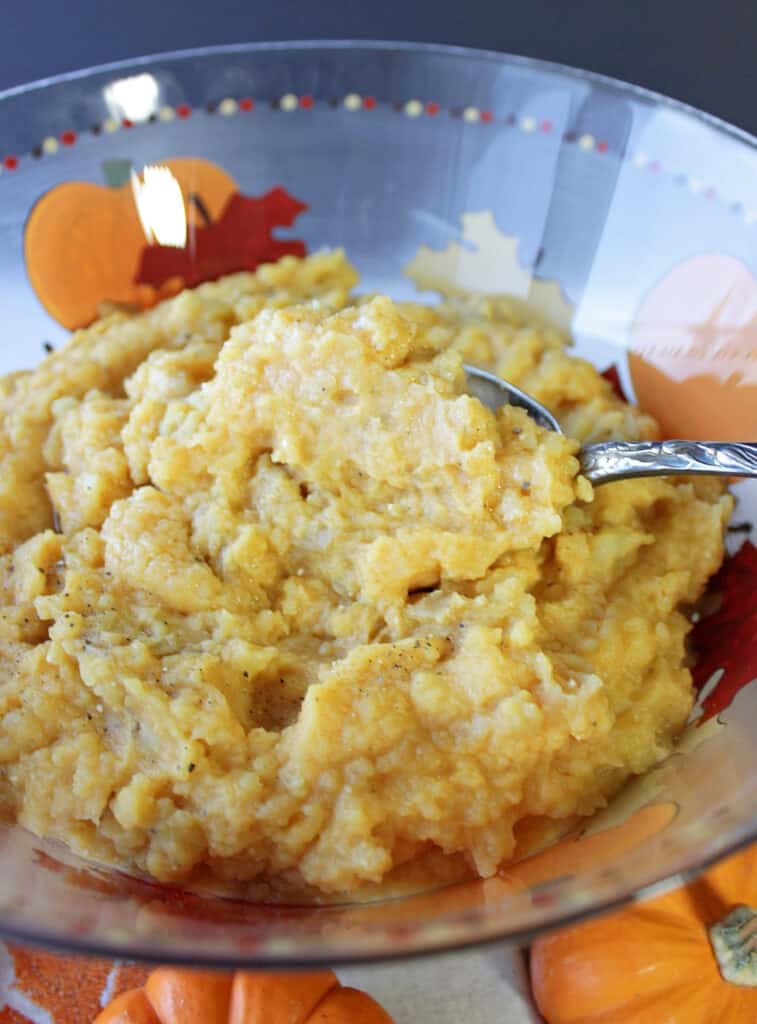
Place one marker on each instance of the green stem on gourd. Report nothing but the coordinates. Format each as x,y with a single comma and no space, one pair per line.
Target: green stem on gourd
734,942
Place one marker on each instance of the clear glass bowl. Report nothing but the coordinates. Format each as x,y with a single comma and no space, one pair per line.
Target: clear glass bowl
628,217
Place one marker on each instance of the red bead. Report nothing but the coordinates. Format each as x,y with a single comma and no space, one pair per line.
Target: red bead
10,163
68,138
126,123
306,102
546,127
246,103
602,147
369,102
432,109
486,115
655,166
183,110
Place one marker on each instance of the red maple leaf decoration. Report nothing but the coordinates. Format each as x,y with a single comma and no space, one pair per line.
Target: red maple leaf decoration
241,239
612,375
727,639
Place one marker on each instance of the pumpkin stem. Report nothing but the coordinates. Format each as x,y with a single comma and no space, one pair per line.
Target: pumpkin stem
116,172
734,941
200,207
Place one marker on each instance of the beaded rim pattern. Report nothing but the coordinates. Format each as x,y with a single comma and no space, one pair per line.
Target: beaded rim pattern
414,108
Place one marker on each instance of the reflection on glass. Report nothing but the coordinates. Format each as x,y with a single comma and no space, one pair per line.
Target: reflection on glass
160,205
133,99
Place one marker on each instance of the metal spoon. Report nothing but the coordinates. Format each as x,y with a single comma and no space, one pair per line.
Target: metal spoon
622,460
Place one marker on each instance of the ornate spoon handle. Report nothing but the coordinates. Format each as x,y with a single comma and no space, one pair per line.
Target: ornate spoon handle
621,460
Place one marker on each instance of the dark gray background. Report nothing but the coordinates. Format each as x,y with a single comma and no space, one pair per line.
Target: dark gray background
702,51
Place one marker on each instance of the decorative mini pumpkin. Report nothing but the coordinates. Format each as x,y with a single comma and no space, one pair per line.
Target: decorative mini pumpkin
175,996
687,957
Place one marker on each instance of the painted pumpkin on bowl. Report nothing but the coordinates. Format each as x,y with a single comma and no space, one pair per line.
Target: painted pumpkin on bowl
176,996
693,350
144,236
83,241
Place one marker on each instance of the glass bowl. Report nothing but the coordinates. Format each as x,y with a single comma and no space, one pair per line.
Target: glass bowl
626,217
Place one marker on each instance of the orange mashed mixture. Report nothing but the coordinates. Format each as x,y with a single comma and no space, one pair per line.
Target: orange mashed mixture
281,601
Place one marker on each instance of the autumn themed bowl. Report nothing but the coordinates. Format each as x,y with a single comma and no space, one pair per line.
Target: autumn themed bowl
622,217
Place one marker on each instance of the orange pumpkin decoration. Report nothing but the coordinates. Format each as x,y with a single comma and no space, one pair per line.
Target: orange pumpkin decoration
687,957
175,996
581,851
693,346
83,242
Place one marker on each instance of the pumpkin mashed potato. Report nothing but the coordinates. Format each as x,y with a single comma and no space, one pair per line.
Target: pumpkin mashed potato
280,600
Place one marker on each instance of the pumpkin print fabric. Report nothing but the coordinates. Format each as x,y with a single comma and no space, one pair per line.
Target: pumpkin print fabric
37,987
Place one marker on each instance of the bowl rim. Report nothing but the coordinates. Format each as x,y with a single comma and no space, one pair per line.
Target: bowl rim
406,47
523,937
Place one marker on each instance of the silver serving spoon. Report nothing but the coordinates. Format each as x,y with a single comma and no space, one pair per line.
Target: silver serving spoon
621,460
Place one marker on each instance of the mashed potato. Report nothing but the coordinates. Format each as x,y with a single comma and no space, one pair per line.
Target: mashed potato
280,600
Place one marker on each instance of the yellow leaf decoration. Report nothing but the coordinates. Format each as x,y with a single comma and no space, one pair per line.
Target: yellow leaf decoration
486,262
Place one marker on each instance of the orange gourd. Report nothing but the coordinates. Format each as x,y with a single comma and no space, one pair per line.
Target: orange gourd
83,241
687,957
176,996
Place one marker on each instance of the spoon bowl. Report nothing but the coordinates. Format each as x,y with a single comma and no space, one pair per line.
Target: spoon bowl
609,461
